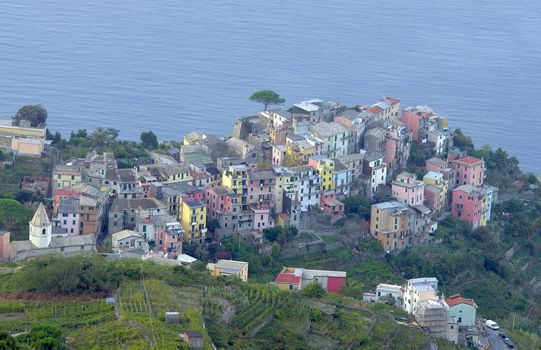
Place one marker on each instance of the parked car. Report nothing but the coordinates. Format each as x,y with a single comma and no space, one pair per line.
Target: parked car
492,325
502,335
509,343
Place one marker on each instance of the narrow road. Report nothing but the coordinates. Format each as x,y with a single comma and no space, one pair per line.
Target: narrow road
495,342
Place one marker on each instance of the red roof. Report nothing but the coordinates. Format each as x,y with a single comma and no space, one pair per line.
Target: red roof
287,278
457,299
375,109
469,160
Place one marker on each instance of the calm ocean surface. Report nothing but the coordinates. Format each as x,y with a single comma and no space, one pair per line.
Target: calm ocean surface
174,66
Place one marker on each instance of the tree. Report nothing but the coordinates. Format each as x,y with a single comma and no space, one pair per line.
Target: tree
149,140
358,204
43,337
35,114
14,217
462,141
267,97
101,137
7,342
313,290
276,249
272,233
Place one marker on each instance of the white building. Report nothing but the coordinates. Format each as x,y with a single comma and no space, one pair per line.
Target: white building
335,137
376,171
129,241
41,241
308,186
40,228
417,290
317,109
389,291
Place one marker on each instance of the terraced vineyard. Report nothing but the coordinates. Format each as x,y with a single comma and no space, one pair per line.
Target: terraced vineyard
145,305
137,323
256,309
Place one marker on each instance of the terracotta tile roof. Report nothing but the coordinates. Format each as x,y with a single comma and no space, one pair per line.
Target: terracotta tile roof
457,299
287,278
469,160
375,109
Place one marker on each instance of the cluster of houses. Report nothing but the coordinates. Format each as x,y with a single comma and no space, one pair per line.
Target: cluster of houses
453,318
277,166
454,185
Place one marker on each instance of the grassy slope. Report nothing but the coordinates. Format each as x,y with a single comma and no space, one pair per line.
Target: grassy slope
137,321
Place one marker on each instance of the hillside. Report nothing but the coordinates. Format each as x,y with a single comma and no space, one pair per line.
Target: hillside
67,294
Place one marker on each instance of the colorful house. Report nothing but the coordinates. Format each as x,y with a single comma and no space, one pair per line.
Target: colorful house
229,268
235,177
472,204
407,189
332,206
389,225
463,310
436,194
194,221
470,171
260,189
286,185
66,176
325,168
293,278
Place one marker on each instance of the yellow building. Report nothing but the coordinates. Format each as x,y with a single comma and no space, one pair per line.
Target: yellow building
325,168
389,224
66,176
194,220
286,182
229,268
235,178
437,180
299,151
22,140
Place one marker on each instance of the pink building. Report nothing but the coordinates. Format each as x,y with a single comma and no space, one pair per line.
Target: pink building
169,238
260,189
433,198
191,193
470,171
63,193
468,205
219,199
262,219
332,206
278,154
436,165
413,118
146,185
407,189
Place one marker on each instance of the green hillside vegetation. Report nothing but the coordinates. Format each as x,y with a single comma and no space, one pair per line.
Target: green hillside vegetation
67,294
12,176
14,217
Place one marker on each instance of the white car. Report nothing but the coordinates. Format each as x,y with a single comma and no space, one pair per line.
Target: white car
492,325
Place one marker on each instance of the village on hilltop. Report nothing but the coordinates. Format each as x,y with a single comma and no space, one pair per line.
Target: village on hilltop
283,168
